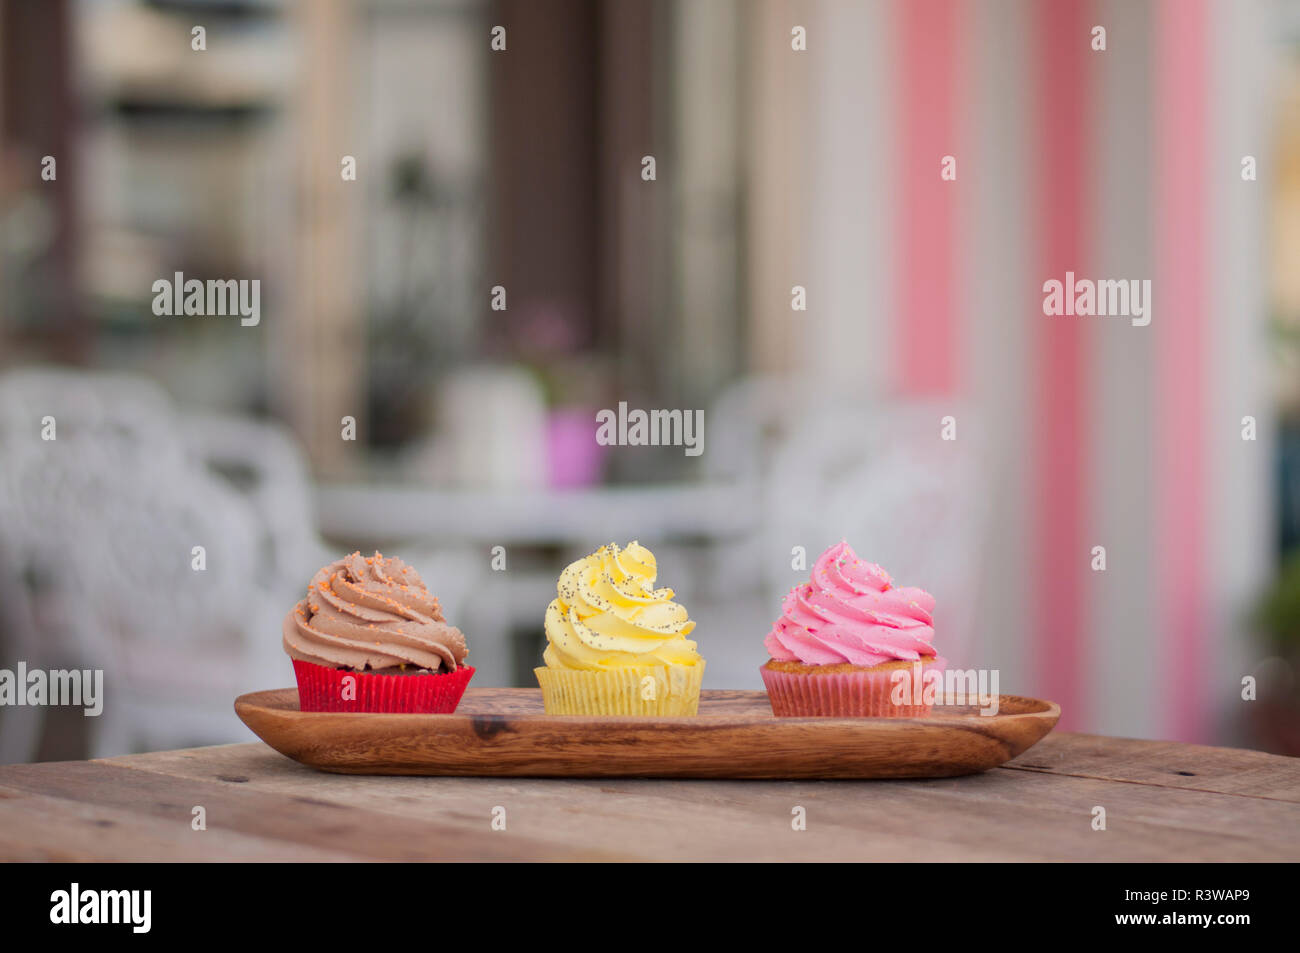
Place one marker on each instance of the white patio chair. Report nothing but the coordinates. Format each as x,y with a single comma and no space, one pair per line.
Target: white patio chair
874,472
99,527
880,476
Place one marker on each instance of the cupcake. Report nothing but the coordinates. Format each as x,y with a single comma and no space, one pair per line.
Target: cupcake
848,643
371,637
616,645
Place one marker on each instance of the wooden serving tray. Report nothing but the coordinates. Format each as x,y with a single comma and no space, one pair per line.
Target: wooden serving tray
505,732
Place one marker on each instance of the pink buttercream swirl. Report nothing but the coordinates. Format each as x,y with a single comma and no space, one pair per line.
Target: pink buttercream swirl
851,612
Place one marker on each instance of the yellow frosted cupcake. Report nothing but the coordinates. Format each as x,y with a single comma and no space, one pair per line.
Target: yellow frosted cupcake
615,644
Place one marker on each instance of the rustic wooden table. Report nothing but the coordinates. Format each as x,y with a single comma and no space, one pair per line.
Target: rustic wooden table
1163,801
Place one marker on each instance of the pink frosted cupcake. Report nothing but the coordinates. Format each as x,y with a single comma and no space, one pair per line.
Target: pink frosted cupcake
850,644
371,637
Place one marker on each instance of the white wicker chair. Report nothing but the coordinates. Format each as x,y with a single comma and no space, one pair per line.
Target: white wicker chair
880,476
873,472
98,528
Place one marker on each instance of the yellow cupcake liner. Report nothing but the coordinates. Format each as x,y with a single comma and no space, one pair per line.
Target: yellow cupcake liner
636,690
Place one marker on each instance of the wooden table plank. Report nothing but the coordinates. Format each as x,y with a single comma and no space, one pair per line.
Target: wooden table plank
43,828
161,802
985,812
261,805
1166,764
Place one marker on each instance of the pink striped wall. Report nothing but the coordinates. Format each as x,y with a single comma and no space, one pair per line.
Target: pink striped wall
1182,153
1060,545
928,69
1068,96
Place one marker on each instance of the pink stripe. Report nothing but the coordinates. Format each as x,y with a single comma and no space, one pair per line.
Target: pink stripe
1062,206
927,336
1178,321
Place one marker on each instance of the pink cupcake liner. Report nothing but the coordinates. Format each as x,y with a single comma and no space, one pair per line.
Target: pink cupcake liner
864,694
321,688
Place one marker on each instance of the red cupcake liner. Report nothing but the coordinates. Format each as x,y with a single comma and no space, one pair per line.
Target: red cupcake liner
860,694
321,688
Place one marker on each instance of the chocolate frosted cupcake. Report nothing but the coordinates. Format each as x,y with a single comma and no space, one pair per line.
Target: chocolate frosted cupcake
371,637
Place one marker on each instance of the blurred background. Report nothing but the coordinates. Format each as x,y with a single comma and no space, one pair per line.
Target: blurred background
502,266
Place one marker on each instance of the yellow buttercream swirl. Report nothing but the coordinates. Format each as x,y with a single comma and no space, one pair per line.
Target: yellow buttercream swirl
608,615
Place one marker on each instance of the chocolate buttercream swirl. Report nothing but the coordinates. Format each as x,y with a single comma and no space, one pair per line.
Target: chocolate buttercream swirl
369,612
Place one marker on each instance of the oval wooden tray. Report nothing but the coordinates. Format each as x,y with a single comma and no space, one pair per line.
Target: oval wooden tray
505,732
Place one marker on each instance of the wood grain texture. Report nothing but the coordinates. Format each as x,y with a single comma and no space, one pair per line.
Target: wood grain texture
1168,764
263,806
504,732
